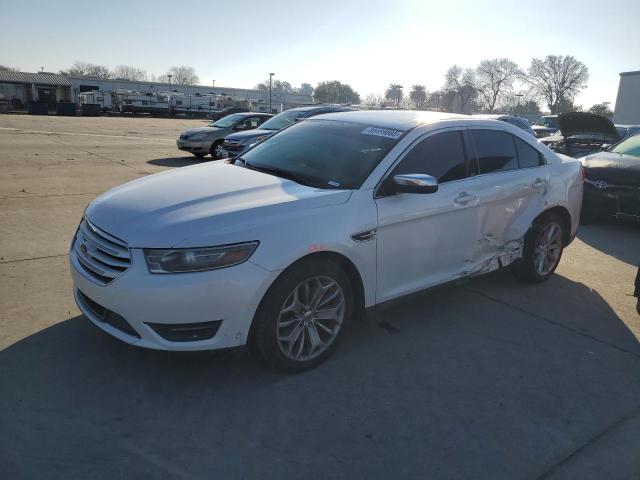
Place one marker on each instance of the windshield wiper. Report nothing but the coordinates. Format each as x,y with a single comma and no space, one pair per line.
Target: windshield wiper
280,173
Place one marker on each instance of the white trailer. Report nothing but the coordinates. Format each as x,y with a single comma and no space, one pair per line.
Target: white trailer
103,99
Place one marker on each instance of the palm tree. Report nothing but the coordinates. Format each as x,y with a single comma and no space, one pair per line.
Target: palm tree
418,95
394,93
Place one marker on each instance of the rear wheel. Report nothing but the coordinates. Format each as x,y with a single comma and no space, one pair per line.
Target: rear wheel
303,316
543,245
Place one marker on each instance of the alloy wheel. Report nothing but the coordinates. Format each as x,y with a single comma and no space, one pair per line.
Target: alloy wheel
310,318
548,249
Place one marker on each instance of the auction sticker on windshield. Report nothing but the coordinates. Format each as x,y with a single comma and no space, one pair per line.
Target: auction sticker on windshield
382,132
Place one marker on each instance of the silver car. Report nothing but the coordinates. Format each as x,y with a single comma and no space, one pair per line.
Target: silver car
208,140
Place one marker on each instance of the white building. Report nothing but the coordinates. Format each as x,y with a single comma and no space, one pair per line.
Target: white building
53,88
258,99
627,110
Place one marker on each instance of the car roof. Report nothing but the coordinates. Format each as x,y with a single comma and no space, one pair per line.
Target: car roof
309,108
394,119
253,114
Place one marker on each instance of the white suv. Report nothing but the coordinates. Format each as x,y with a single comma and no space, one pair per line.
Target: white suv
314,225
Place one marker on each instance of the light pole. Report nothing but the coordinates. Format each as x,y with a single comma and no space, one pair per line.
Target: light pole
270,86
519,95
213,83
169,77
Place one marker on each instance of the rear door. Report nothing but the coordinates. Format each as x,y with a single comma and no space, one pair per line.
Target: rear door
510,188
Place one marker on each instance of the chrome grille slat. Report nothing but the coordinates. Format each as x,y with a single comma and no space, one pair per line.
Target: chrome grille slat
99,242
102,256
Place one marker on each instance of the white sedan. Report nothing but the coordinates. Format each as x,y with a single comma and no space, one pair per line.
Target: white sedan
314,225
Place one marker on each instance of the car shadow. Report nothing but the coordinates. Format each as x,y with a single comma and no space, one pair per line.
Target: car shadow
436,371
618,239
177,161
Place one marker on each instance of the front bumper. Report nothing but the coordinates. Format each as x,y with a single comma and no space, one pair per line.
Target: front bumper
229,297
194,147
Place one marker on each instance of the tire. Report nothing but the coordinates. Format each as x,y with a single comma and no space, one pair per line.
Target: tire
528,269
213,153
199,155
278,317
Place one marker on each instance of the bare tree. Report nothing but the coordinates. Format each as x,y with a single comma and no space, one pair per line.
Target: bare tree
277,86
130,73
557,79
83,69
182,75
462,84
495,77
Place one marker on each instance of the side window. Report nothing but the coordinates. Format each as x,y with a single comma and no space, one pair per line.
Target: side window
441,156
496,151
527,155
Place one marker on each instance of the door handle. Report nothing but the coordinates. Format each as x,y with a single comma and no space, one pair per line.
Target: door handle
539,183
463,198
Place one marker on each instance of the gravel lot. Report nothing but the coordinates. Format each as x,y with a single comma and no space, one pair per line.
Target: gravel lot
488,379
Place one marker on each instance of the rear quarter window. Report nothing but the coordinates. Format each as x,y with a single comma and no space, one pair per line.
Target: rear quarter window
527,155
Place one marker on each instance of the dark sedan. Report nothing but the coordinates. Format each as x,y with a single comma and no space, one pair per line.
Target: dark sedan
612,183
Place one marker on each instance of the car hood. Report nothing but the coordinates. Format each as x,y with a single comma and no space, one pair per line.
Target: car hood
256,132
202,205
614,168
193,131
586,123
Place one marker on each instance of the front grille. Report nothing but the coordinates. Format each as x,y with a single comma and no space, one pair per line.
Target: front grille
102,256
107,316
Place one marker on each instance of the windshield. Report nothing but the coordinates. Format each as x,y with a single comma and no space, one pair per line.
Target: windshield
550,122
630,146
228,121
327,154
282,120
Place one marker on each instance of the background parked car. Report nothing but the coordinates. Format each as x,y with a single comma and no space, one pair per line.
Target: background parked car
208,140
227,111
519,122
236,143
612,183
581,133
546,125
627,130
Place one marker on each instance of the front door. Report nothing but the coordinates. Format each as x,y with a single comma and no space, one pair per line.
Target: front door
426,239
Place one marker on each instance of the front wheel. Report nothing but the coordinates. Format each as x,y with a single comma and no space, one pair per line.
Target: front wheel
543,245
216,150
303,316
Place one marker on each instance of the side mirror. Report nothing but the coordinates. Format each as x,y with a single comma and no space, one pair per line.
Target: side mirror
414,183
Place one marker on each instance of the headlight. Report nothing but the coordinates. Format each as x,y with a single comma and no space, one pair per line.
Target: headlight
197,259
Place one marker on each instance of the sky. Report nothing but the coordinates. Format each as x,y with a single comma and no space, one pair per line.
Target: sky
367,44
